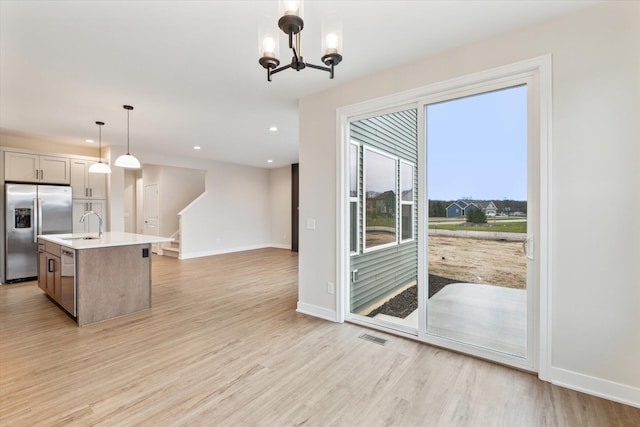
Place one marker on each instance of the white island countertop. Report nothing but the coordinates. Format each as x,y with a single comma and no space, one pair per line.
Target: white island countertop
113,238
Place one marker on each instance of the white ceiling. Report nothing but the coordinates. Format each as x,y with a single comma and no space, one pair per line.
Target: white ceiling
190,68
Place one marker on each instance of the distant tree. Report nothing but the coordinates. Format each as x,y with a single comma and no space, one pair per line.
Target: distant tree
476,216
437,209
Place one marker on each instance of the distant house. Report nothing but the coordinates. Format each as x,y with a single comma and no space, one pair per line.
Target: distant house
461,207
490,209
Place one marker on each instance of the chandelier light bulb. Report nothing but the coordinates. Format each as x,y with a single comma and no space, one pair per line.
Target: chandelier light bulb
269,47
331,43
292,7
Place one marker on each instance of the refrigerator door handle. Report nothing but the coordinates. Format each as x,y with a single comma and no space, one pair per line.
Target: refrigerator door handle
39,219
35,220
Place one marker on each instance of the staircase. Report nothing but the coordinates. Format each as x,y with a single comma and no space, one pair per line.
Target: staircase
172,249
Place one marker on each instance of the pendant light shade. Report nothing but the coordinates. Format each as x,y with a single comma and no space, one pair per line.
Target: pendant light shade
127,160
99,167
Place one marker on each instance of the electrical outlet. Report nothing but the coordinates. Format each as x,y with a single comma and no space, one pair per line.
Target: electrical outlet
331,288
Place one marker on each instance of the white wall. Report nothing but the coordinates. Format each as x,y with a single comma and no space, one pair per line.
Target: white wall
232,215
280,207
177,187
595,166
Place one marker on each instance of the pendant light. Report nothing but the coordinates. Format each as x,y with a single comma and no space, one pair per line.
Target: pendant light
127,160
100,167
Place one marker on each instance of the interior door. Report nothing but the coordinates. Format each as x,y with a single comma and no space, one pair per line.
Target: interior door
151,212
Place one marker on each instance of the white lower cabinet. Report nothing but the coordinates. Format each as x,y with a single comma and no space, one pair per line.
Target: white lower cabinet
91,223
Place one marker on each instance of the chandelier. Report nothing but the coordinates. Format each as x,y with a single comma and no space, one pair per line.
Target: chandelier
291,23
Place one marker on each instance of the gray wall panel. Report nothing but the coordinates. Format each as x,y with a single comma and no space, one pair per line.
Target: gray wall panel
384,271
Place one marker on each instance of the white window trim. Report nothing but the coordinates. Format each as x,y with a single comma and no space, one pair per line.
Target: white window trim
403,202
355,199
365,249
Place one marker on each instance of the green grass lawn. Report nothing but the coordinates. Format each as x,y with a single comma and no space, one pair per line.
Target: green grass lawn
381,222
504,227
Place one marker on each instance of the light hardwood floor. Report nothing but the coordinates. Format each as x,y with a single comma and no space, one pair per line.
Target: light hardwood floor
224,346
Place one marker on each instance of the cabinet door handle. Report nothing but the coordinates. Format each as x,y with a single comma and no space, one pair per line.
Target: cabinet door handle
36,171
41,174
90,192
50,267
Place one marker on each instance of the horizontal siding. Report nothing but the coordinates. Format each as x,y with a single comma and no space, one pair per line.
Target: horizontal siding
383,271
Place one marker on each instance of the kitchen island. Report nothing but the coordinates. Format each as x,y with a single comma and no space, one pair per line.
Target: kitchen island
97,278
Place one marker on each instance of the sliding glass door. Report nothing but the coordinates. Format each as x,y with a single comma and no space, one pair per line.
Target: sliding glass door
477,224
441,209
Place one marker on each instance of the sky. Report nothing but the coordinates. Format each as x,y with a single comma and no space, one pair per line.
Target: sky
477,147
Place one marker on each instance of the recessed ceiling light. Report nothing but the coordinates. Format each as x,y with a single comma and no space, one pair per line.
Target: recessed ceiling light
196,147
269,161
90,141
273,128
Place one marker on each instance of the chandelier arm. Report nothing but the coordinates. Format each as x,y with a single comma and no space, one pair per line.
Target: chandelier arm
295,54
318,67
284,67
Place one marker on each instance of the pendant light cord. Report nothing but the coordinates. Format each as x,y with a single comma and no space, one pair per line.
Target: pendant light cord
128,133
100,143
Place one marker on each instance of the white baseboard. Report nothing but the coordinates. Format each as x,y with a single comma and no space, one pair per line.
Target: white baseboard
315,311
222,251
230,250
279,246
606,389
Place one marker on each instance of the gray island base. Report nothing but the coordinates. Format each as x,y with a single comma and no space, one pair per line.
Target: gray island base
112,282
111,275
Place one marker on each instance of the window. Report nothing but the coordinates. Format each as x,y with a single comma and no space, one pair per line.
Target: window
354,158
406,200
380,188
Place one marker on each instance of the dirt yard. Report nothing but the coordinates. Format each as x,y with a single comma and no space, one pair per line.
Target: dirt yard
478,261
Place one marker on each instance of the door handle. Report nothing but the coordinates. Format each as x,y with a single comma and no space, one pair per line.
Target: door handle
528,247
35,221
50,267
39,201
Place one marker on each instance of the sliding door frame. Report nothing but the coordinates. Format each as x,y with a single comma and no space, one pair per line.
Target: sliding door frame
537,73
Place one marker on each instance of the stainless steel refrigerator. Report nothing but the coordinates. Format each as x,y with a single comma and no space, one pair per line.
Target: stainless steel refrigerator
31,210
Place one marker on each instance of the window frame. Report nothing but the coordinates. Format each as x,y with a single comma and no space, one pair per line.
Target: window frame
374,150
403,202
355,199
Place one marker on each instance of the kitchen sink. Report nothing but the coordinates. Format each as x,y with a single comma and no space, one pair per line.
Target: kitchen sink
82,238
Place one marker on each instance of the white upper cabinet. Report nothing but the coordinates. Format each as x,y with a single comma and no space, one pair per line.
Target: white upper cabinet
87,185
25,167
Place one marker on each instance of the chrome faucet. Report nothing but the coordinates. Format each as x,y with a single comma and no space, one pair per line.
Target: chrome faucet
100,229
